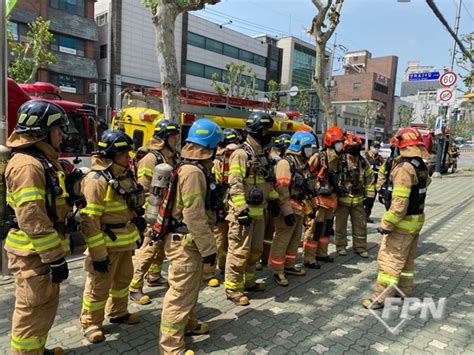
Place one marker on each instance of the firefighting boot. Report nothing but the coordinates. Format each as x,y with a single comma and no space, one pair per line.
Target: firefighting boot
258,266
94,334
371,304
140,298
342,251
296,271
237,297
156,282
129,318
55,351
256,287
313,266
201,329
363,254
281,279
325,259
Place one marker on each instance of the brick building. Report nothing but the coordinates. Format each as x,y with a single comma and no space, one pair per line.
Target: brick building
74,43
368,78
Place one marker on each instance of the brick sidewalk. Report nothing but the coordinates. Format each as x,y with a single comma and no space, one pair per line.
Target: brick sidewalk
317,313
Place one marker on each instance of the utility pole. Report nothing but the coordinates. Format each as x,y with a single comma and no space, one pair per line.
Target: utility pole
4,151
441,140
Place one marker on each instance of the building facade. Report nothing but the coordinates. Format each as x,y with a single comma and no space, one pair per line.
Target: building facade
366,78
74,42
128,53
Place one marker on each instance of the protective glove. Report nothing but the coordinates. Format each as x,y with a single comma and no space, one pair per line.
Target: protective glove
101,266
59,270
381,198
210,259
140,223
382,231
244,219
290,220
274,208
369,203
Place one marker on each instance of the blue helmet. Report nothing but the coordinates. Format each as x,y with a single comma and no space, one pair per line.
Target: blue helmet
205,133
301,139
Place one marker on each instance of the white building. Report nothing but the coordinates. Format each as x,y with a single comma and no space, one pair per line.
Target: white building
127,53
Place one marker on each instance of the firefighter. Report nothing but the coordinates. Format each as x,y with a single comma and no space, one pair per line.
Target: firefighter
375,160
36,244
453,154
251,178
149,258
383,175
109,224
325,166
225,148
279,146
293,188
357,184
402,223
191,242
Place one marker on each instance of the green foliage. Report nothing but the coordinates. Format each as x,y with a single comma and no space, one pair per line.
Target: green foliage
464,62
303,102
33,53
405,116
152,4
238,81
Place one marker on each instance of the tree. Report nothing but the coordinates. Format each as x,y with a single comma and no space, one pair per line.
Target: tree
328,12
238,80
405,116
303,102
164,14
33,53
371,109
464,62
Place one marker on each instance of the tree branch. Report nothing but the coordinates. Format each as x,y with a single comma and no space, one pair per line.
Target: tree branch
334,20
193,5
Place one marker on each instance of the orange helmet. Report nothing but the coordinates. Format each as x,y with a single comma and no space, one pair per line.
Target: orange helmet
333,135
407,137
352,139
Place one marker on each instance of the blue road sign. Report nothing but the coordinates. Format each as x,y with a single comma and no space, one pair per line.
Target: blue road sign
433,75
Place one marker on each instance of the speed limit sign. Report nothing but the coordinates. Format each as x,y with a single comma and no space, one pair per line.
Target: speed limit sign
448,79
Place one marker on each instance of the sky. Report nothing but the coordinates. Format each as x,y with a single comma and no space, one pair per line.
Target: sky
410,30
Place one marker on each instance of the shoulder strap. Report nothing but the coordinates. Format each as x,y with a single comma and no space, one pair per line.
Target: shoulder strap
158,156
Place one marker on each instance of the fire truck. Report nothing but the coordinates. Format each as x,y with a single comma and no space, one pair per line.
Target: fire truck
431,145
142,111
82,130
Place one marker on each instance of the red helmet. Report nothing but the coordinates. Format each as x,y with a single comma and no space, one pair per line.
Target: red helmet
393,141
352,139
333,135
407,137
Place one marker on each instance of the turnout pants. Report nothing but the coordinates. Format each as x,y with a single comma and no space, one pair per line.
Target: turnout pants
396,263
268,238
184,278
220,235
245,249
106,293
285,244
359,227
317,233
148,259
36,303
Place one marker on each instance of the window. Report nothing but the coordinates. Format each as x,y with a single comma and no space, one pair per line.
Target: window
260,85
68,84
246,55
356,86
193,68
381,88
75,7
196,40
347,121
274,64
103,51
66,44
13,27
101,20
213,45
209,71
259,60
231,51
355,99
355,122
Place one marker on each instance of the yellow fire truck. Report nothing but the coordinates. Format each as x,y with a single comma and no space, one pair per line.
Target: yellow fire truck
141,113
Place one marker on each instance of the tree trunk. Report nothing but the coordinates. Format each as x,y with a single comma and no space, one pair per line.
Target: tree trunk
320,87
164,21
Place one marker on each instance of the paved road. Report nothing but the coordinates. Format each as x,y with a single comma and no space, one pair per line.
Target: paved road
318,313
